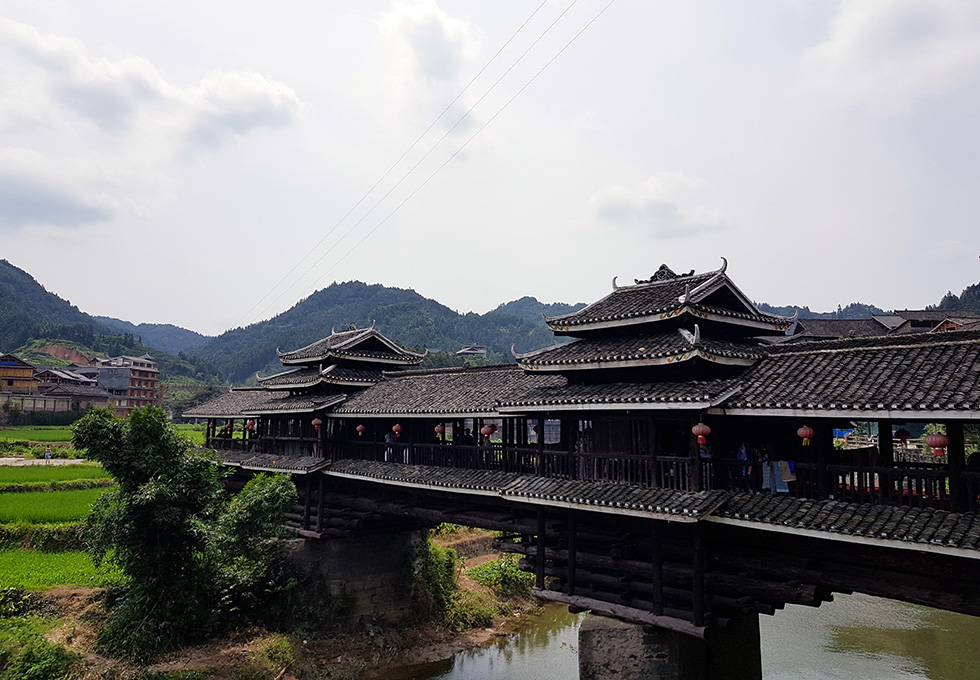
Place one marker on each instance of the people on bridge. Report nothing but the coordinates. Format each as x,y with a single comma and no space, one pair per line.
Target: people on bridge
467,438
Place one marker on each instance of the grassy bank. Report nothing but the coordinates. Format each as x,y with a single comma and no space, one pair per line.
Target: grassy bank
41,507
37,570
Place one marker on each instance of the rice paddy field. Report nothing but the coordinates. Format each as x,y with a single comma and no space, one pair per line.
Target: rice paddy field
50,473
47,507
37,570
49,519
35,434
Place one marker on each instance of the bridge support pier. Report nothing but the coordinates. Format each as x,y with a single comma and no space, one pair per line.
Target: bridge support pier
610,649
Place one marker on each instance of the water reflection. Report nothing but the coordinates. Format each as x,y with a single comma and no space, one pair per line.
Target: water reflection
858,636
542,649
854,637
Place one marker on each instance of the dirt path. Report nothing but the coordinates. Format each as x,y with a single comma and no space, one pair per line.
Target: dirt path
20,461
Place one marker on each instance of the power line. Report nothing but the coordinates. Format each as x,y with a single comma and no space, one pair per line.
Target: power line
419,161
460,149
390,169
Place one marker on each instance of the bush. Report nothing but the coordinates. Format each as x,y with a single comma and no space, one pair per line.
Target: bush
504,576
26,655
434,580
47,537
471,609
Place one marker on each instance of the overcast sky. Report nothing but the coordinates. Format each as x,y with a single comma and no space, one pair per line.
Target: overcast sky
174,162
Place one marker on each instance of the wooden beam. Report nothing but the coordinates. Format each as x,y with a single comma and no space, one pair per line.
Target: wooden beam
622,612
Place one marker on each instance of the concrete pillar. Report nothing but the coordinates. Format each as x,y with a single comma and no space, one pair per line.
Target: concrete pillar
609,649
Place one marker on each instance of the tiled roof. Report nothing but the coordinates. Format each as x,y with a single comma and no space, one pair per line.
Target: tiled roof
75,390
232,403
633,347
924,372
345,345
604,495
446,390
240,402
832,329
659,503
266,461
663,298
896,523
348,374
667,395
303,377
935,315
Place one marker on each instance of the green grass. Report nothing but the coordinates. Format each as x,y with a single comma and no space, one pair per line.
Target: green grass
33,570
193,432
50,473
36,434
51,506
25,654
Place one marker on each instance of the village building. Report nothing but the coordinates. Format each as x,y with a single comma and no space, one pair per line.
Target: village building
133,382
16,376
670,382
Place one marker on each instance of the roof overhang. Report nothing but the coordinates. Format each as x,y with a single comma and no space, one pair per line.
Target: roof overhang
694,353
881,413
667,314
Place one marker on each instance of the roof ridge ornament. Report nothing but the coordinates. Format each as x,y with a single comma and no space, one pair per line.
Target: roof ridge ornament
724,266
692,338
686,297
615,287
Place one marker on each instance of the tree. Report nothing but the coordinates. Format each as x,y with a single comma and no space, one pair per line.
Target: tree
189,557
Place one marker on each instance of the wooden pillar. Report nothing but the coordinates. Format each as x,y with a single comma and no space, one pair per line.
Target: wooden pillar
886,444
539,561
697,484
956,464
540,465
825,445
306,502
698,616
658,574
572,548
319,504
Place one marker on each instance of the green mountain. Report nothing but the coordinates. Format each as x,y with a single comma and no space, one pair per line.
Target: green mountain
28,311
403,315
31,318
164,336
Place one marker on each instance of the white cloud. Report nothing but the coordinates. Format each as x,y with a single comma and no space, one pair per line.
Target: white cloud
658,206
886,53
111,129
432,43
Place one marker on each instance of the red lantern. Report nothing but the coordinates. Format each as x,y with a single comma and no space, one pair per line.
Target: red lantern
397,429
903,436
938,442
486,432
440,430
317,423
702,431
360,430
806,434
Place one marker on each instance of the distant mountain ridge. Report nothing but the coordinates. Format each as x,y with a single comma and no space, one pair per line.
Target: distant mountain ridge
406,317
167,337
855,310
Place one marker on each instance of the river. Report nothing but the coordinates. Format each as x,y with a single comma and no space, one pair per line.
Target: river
854,637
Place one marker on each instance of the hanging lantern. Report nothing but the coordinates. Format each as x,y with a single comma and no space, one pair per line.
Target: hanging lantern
938,442
806,434
486,431
317,423
440,430
903,436
397,429
250,425
701,431
493,427
360,430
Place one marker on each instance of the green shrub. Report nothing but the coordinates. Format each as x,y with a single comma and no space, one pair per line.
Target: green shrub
471,609
26,655
46,487
504,576
434,580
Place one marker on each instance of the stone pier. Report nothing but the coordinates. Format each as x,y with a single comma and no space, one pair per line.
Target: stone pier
610,649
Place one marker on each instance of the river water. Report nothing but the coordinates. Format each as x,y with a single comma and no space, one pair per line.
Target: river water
856,637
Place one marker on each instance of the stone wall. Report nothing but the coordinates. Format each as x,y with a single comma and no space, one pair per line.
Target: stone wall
365,579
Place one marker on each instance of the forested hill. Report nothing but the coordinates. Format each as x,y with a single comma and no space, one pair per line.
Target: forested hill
855,310
166,336
28,311
403,315
968,300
